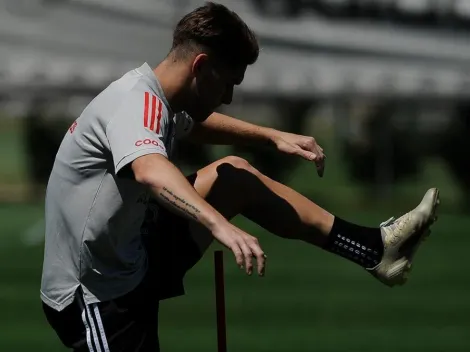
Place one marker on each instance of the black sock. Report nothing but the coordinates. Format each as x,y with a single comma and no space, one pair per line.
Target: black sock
362,245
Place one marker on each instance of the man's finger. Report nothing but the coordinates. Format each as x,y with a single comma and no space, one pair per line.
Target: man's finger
308,155
261,260
258,253
320,161
248,255
263,269
237,252
321,167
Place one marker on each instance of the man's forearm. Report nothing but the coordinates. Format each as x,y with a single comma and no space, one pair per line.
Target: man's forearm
225,130
173,191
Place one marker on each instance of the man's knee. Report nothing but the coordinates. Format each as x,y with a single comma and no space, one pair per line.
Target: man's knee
237,178
236,161
233,164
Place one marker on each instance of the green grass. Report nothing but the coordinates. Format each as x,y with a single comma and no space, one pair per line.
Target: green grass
309,299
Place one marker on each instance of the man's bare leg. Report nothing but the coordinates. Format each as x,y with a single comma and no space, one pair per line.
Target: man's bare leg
283,211
234,187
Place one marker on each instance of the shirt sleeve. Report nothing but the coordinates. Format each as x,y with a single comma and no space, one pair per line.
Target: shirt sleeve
137,128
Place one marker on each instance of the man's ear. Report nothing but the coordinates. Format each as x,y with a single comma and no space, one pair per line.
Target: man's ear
199,63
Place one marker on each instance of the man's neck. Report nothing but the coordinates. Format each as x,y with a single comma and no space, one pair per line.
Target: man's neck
171,77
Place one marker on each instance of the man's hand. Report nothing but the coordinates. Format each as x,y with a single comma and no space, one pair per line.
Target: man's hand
303,146
243,246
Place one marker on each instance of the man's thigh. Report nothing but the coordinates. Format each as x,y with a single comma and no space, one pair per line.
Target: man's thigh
126,324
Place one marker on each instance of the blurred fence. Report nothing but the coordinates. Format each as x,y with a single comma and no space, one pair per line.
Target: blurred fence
390,98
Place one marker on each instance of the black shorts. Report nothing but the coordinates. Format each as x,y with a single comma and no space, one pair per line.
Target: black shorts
130,322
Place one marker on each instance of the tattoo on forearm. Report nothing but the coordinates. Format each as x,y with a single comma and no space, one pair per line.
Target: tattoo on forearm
179,203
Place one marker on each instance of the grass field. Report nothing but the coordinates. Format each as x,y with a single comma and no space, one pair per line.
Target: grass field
309,299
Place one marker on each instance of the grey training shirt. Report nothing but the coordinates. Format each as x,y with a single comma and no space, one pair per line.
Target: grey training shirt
93,217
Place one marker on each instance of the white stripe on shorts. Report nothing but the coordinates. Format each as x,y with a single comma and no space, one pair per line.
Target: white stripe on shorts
87,327
93,329
99,338
100,326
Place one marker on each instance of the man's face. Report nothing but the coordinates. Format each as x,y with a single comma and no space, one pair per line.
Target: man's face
212,86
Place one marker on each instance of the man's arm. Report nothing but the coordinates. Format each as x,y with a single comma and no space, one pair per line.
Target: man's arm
225,130
173,190
175,193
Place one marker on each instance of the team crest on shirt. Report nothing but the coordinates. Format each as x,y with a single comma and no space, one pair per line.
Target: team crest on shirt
153,107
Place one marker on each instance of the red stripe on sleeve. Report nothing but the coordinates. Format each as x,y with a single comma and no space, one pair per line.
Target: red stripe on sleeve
160,105
154,108
146,110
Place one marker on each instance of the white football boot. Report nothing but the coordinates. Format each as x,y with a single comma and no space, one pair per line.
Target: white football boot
402,237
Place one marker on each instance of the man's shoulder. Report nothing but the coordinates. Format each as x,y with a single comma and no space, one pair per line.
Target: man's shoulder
141,98
129,94
139,105
139,89
129,86
132,95
136,83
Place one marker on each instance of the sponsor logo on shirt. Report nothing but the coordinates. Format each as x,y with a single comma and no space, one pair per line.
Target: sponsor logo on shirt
148,141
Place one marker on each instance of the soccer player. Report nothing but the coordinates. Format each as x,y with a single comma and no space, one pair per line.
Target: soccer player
124,225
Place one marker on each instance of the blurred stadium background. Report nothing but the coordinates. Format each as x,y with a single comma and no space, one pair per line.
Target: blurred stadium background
383,85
